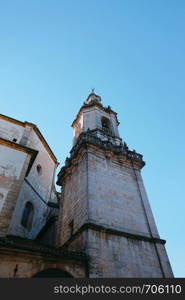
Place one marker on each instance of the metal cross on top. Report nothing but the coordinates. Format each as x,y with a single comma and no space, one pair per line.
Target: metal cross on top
93,90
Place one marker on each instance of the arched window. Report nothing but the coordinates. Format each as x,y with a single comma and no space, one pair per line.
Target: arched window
27,216
106,125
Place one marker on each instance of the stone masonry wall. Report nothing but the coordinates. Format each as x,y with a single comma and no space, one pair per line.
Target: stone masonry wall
10,131
11,164
116,256
74,201
39,217
114,198
112,191
91,118
13,170
41,182
37,189
28,264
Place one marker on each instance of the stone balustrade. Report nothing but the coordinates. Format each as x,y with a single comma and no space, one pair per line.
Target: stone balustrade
90,137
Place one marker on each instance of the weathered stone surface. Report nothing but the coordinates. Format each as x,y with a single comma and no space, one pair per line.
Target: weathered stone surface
115,256
104,209
20,181
28,263
74,201
104,195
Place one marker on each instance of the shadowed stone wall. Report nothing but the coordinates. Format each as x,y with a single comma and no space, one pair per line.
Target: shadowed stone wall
116,256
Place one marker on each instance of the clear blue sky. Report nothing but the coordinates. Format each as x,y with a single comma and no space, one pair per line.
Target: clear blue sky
52,52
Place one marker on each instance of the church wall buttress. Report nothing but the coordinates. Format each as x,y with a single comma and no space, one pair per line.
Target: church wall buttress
117,256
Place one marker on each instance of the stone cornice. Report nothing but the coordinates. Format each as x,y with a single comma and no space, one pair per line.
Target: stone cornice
12,120
111,231
88,138
40,250
94,104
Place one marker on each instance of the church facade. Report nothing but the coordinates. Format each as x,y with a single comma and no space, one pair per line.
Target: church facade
99,225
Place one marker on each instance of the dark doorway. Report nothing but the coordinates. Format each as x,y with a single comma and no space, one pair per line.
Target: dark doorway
52,273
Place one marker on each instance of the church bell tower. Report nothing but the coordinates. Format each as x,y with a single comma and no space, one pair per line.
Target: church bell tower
105,211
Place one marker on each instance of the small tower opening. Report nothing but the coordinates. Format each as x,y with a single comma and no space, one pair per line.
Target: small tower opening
106,125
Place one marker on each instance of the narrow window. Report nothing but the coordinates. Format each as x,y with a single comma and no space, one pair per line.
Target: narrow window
39,169
27,216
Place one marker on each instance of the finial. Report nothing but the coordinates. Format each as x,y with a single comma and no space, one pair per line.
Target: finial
92,90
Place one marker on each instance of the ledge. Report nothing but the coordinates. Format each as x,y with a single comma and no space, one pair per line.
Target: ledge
112,231
31,246
21,148
37,131
89,138
95,104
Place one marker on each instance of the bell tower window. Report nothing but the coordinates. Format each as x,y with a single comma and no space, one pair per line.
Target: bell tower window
106,125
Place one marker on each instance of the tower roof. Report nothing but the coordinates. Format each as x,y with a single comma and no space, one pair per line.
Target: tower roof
92,98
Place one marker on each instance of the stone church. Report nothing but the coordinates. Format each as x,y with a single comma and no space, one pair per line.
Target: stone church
99,225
